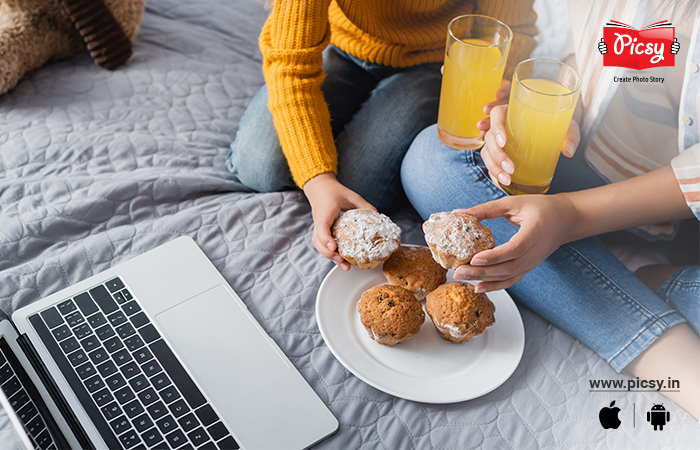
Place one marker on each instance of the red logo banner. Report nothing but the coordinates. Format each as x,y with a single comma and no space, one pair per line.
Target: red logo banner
652,46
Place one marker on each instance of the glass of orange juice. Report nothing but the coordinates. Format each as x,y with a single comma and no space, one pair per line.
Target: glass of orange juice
475,56
542,101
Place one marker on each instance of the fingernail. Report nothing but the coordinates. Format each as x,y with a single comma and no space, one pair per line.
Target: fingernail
330,246
503,179
570,149
463,272
478,262
500,140
337,259
479,290
507,166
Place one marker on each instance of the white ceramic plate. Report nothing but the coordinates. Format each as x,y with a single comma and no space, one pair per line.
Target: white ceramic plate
424,368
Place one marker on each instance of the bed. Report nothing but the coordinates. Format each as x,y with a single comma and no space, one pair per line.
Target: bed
97,167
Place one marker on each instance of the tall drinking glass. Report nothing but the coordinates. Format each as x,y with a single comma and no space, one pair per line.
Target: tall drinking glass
542,101
475,56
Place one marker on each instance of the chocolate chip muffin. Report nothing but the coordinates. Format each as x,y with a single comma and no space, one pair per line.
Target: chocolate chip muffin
390,314
413,268
459,313
455,238
365,238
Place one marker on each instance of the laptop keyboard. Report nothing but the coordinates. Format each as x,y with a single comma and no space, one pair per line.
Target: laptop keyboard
21,402
116,358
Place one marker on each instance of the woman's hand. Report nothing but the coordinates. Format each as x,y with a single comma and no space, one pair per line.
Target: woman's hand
501,99
328,197
498,163
546,222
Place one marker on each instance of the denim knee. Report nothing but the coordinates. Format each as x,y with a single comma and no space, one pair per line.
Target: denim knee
256,156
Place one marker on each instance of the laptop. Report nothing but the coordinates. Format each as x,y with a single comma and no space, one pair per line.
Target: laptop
156,352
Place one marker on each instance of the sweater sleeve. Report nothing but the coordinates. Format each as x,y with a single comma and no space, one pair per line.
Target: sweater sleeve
686,167
520,16
292,41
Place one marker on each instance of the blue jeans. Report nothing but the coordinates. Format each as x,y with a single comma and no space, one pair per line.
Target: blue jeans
376,112
581,288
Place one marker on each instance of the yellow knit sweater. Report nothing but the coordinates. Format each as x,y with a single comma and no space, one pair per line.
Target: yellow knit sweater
397,33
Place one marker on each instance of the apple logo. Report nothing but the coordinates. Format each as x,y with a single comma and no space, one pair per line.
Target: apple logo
608,417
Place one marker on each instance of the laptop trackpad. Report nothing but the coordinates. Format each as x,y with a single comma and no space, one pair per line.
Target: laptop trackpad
220,344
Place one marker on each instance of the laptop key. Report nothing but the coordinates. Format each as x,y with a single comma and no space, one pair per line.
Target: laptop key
102,397
179,408
11,386
177,373
97,320
129,439
69,345
125,330
143,423
148,396
207,446
115,382
61,332
157,410
85,371
217,431
66,307
151,368
206,415
78,357
121,357
111,411
107,368
131,308
149,333
228,444
130,370
104,332
27,412
127,295
74,318
19,399
113,344
188,422
82,331
86,304
44,439
115,285
51,317
124,395
151,437
120,425
94,384
98,356
198,436
119,298
142,355
117,318
169,394
166,424
103,299
139,383
160,381
90,343
133,343
176,439
133,409
139,320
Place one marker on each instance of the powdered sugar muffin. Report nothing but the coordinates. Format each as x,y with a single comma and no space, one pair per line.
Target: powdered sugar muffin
459,313
413,268
390,314
455,238
365,238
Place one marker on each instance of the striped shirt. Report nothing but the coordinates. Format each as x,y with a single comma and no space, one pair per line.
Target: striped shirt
633,127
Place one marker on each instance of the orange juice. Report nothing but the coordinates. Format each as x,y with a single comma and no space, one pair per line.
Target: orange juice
472,75
538,119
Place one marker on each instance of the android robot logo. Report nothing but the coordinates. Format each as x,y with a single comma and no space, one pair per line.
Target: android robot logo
658,416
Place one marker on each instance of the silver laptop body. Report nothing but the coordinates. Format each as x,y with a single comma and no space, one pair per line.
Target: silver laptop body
194,320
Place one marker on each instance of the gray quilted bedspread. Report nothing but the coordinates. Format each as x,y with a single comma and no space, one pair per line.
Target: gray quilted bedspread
97,167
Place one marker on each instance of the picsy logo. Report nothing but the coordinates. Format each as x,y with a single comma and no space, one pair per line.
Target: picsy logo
653,46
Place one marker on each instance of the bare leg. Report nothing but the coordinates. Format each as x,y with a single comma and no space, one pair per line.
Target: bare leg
675,355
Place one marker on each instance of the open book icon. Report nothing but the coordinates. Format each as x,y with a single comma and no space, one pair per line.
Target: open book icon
652,46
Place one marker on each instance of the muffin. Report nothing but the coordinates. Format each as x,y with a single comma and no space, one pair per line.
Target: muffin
365,238
414,269
455,238
390,314
459,313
